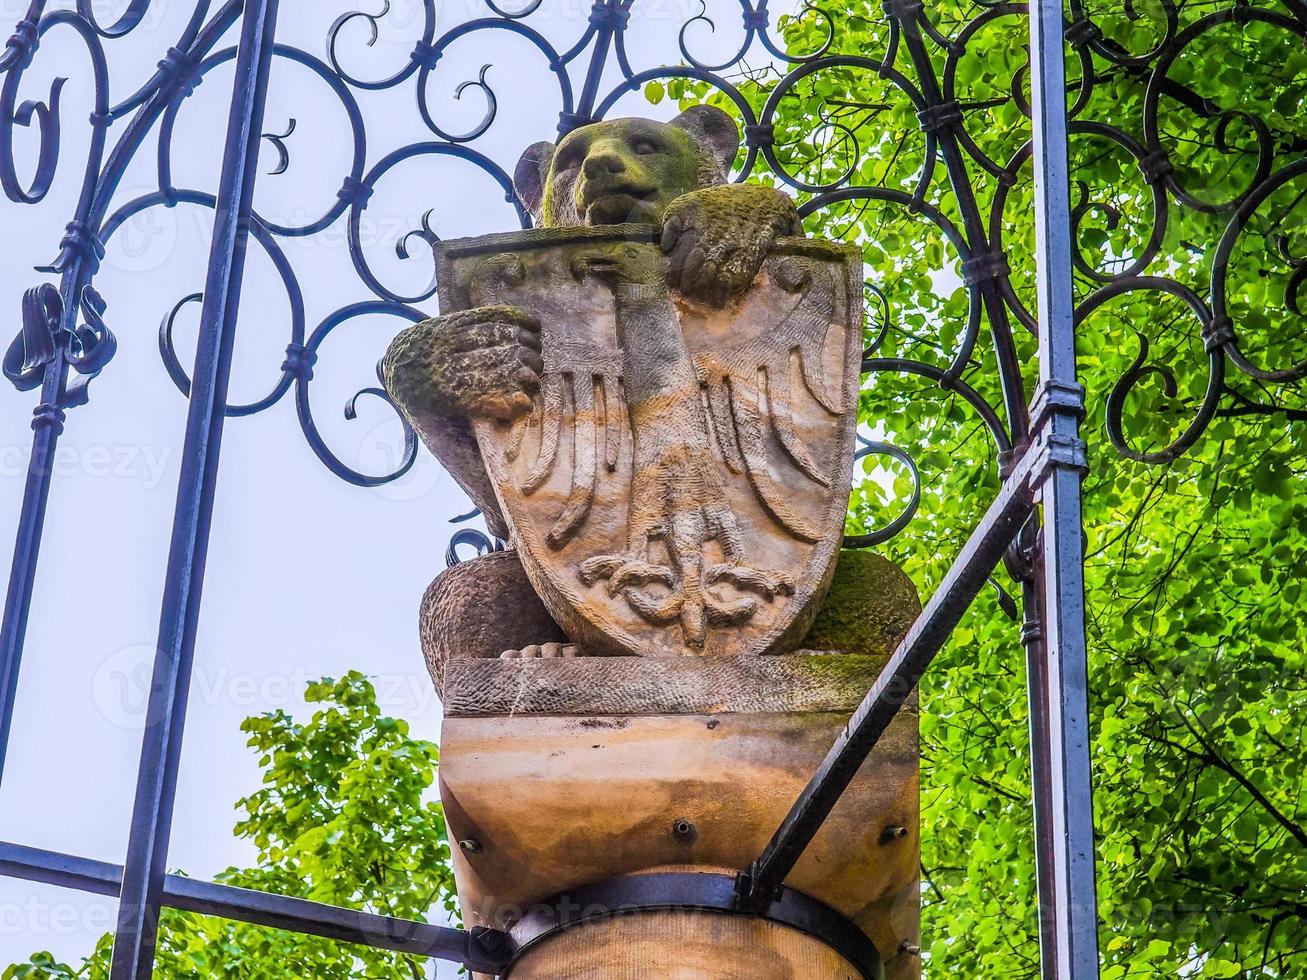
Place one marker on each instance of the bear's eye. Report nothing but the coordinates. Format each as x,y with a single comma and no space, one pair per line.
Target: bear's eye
569,161
644,146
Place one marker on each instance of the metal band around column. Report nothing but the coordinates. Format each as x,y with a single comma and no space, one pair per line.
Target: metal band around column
692,891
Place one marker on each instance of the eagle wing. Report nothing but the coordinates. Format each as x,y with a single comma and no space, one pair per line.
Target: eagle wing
747,389
747,392
580,391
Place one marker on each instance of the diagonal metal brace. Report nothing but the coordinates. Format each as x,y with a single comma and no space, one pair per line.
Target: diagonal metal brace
758,887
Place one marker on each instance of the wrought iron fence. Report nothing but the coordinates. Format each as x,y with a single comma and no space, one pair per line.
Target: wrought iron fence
65,342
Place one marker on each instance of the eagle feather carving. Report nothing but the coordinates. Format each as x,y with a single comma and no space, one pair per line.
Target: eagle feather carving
686,415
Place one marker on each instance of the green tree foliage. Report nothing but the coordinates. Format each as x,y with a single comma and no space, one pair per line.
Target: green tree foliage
1195,567
344,816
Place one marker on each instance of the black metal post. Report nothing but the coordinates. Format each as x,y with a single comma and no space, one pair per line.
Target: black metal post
607,17
484,950
1056,648
47,425
143,874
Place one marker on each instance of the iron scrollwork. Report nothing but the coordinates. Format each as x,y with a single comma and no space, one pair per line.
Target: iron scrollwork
912,141
945,166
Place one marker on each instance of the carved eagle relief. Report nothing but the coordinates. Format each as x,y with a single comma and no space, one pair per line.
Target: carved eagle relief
679,486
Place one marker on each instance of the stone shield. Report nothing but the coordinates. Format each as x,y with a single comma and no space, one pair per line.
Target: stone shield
680,486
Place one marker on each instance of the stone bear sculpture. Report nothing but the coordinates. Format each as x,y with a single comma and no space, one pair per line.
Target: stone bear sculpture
486,362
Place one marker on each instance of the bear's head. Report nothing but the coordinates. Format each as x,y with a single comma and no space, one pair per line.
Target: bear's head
625,169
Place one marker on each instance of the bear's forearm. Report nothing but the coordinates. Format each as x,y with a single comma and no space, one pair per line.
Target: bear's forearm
745,208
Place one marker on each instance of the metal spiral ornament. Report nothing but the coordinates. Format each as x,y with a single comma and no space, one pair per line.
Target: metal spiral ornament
918,107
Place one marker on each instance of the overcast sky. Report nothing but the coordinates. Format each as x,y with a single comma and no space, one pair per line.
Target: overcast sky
307,575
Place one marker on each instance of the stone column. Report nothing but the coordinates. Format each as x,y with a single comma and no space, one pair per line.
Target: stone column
560,777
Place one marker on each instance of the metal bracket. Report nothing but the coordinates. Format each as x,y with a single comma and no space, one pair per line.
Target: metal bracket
1056,404
1060,398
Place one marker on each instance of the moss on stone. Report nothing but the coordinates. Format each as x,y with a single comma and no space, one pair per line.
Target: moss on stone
868,610
622,170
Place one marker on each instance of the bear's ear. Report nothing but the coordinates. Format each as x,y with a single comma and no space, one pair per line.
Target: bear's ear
714,131
529,176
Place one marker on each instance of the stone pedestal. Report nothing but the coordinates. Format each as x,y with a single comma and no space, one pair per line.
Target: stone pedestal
557,775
